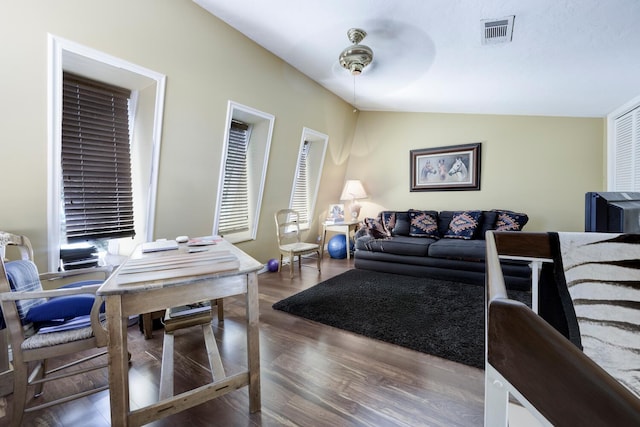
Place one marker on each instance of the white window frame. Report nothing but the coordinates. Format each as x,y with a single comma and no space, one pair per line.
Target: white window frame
261,124
317,152
633,108
70,56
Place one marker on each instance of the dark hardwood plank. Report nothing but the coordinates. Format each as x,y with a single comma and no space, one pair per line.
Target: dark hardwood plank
312,374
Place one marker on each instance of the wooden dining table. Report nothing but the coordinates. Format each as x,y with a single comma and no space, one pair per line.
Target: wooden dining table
152,281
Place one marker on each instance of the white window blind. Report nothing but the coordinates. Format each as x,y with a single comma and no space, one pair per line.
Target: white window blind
96,160
234,209
301,197
627,151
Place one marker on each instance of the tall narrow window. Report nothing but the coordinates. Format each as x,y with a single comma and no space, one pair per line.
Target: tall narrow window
234,205
300,199
306,181
242,172
96,160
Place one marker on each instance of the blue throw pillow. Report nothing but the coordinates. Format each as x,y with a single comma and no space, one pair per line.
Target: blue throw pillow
65,307
463,225
424,224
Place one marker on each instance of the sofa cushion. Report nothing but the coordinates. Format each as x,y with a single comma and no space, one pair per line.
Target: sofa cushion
423,224
463,225
402,224
487,222
444,219
375,228
510,221
400,245
459,249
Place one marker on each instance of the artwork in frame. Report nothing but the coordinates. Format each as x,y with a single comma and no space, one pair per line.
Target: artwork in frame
336,213
456,167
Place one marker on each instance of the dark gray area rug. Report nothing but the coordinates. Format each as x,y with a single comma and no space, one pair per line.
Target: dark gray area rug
438,317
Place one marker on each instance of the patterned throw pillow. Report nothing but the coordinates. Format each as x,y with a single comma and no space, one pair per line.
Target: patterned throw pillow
463,225
388,220
424,224
510,221
375,228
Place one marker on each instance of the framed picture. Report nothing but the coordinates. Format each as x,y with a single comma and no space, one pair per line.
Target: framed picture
456,167
336,213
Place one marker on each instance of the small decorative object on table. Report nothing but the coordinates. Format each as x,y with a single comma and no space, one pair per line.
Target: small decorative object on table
336,213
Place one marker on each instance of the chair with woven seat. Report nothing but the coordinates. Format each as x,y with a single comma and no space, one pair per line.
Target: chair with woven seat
290,243
26,307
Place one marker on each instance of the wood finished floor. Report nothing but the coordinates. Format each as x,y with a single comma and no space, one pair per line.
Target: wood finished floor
311,374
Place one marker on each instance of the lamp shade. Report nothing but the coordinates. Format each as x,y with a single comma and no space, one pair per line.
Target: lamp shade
352,190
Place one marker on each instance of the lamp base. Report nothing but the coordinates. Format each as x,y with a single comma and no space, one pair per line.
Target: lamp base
355,211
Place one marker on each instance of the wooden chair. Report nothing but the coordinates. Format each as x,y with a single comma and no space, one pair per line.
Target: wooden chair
289,241
34,349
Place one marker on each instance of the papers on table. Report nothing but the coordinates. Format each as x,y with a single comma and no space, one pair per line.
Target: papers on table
204,241
176,264
159,245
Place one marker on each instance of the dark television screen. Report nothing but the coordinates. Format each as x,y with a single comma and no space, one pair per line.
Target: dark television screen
612,212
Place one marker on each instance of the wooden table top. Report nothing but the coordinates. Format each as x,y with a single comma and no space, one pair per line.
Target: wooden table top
142,272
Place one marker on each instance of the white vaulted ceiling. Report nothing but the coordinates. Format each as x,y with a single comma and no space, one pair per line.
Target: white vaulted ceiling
567,57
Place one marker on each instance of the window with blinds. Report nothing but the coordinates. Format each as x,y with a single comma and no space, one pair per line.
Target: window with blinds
306,180
300,198
234,204
96,160
626,169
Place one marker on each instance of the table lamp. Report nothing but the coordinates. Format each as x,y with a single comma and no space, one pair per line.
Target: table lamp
353,190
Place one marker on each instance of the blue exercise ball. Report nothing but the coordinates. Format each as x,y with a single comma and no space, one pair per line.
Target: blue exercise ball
337,246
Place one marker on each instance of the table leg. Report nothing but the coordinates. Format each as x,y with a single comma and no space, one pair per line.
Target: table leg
347,235
253,342
324,238
118,361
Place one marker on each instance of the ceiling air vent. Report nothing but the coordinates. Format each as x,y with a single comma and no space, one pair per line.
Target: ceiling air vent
497,30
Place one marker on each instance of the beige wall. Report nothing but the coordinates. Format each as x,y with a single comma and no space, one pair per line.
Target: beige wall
538,165
206,63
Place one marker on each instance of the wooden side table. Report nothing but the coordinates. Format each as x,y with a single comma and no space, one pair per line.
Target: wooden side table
345,227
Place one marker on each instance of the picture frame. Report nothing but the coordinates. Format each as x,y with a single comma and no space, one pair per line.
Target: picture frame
455,167
336,213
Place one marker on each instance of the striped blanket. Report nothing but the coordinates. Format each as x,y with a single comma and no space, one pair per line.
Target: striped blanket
602,275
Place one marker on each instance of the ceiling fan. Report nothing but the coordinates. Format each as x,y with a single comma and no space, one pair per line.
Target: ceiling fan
357,56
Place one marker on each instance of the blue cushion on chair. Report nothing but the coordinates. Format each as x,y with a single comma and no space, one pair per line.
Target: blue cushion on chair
65,307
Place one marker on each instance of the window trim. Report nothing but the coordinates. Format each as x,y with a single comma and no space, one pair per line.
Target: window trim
313,137
258,119
67,55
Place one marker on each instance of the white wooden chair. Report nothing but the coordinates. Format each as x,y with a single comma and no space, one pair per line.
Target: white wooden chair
32,348
289,240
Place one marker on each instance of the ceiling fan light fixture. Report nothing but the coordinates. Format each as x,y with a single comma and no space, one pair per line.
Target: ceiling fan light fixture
356,57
